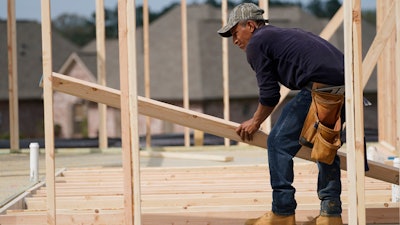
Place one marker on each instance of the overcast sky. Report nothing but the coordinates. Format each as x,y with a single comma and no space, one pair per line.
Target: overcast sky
30,9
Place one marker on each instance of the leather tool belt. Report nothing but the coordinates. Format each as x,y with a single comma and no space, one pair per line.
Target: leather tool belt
322,126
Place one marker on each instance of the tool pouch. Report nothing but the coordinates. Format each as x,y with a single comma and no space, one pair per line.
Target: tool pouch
321,129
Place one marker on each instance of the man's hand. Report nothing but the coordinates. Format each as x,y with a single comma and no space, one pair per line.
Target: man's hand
247,129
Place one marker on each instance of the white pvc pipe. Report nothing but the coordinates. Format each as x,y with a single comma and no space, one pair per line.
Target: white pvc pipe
34,161
396,188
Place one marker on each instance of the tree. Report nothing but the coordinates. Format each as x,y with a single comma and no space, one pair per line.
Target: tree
111,22
139,16
213,3
369,16
332,7
315,6
81,30
76,28
326,10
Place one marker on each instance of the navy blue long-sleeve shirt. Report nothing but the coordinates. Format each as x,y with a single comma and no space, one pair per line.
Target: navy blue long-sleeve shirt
291,57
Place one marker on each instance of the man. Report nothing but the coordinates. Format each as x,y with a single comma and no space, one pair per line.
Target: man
301,61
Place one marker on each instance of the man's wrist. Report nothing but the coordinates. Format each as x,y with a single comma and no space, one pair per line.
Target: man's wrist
256,122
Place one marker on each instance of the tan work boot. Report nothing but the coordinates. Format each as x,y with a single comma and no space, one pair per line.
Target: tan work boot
329,220
271,218
325,220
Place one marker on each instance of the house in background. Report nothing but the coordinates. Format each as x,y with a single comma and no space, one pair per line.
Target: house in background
29,59
79,118
75,117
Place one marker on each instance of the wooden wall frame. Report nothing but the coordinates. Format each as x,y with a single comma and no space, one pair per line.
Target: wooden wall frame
193,119
356,77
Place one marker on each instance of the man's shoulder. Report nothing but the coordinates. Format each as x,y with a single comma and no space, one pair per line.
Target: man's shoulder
266,34
272,31
273,28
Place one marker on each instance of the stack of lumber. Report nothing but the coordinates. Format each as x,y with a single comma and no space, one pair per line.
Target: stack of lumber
188,195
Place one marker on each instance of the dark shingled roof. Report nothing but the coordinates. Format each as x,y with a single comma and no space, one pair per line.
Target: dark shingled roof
204,54
29,56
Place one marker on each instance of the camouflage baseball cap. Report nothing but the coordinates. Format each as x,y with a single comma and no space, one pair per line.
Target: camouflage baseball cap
244,11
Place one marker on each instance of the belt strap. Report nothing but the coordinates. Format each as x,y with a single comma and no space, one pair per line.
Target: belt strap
327,88
332,89
335,90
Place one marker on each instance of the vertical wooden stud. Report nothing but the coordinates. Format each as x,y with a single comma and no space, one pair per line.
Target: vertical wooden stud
386,73
198,138
146,66
129,110
397,78
384,33
225,66
392,76
354,111
133,109
264,4
125,127
380,10
48,111
185,70
101,71
12,76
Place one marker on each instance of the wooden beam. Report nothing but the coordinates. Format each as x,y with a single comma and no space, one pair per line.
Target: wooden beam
214,216
170,203
12,76
101,70
86,90
225,66
217,195
378,45
397,88
146,65
66,216
149,107
47,64
354,112
375,215
129,120
385,78
19,199
185,66
264,4
196,120
181,155
133,111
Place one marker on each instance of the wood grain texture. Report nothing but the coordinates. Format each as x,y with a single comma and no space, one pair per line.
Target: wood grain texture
196,120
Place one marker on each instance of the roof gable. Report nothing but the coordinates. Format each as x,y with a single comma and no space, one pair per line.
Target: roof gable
77,60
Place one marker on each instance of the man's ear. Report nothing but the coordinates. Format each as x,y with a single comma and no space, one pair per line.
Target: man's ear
252,25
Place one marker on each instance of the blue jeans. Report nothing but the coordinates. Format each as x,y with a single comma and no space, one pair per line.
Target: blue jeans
283,145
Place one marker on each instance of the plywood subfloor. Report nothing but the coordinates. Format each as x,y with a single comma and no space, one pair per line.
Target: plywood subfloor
195,196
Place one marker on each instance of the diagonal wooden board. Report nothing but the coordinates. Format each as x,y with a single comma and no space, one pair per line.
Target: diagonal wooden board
209,124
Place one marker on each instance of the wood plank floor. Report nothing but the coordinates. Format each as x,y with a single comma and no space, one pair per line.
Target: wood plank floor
190,195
